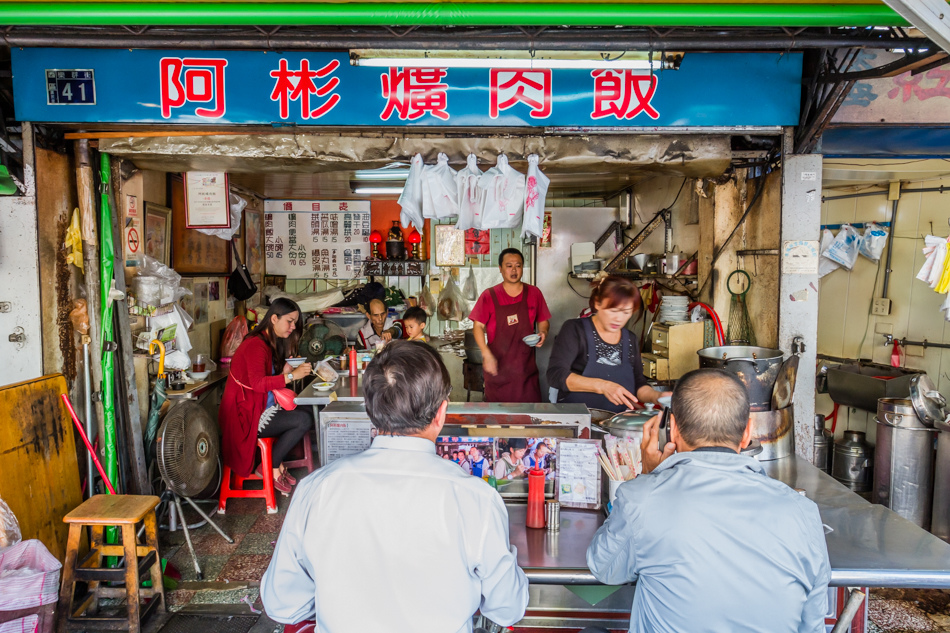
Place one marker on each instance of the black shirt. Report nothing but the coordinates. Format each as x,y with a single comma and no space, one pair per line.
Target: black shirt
569,355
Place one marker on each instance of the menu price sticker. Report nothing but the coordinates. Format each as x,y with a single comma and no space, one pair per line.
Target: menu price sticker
578,474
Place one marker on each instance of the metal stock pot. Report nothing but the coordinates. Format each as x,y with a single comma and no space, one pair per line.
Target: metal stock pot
756,367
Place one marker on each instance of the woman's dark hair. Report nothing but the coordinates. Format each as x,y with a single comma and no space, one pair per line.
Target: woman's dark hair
510,251
614,290
281,348
404,386
415,313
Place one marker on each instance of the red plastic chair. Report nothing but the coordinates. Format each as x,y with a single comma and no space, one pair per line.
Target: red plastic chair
265,444
307,455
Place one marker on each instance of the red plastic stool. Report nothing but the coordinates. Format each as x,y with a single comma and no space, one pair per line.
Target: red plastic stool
307,455
265,444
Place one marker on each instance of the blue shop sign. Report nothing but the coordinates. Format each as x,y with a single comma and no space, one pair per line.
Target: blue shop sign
324,89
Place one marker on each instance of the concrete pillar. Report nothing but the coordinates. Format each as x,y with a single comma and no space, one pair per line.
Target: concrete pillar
798,295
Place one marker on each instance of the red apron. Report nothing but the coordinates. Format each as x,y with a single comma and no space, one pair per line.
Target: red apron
517,378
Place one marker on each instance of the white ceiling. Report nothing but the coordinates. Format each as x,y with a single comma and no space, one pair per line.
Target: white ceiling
839,173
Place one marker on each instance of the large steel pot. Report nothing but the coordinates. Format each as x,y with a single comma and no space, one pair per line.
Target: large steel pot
904,461
756,367
775,431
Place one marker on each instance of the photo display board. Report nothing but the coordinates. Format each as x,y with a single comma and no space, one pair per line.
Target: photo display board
322,239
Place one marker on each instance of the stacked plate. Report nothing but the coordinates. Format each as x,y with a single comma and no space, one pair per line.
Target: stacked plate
673,309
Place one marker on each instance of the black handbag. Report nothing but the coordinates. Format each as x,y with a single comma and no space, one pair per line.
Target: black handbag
240,283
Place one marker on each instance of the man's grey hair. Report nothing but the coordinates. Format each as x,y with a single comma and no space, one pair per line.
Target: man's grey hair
711,407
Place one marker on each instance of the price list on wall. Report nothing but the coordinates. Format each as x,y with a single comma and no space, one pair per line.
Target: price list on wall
322,239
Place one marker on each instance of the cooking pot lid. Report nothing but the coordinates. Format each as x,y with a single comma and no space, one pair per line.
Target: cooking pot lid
632,419
753,449
927,401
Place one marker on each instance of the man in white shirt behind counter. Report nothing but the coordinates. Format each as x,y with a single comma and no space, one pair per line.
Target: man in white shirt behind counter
395,538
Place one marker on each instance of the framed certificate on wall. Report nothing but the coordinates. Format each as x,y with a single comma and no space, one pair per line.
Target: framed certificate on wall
206,200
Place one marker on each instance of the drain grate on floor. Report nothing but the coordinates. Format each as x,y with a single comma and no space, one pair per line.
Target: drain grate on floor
181,623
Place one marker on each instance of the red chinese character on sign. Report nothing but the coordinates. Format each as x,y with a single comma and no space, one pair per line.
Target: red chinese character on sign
909,85
298,85
315,206
201,82
288,206
615,91
530,87
412,92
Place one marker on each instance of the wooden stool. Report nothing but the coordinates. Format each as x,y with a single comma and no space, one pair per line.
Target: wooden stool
125,512
237,491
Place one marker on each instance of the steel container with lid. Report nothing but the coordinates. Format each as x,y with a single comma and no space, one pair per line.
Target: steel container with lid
823,443
853,461
930,407
904,461
756,367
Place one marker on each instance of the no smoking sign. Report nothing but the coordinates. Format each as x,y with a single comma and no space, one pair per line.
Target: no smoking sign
132,239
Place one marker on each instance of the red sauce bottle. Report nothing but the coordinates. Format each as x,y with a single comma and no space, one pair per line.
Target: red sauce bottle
535,518
354,370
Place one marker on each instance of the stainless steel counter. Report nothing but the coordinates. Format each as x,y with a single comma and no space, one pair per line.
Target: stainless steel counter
347,389
869,545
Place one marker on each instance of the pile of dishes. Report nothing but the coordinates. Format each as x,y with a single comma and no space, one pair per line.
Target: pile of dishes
673,309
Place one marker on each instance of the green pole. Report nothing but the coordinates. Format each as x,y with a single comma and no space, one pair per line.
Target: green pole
106,265
446,14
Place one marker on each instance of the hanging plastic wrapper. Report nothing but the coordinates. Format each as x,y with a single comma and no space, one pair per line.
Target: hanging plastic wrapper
73,242
844,248
9,526
935,253
156,284
439,191
825,264
411,197
470,288
469,195
233,336
503,188
451,302
237,204
426,301
536,189
874,240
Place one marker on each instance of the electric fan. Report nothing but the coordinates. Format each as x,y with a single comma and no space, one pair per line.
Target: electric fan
186,450
321,338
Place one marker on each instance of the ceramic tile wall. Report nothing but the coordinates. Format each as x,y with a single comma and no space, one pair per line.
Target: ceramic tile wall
846,327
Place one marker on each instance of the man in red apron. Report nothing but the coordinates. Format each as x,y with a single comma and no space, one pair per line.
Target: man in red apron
503,316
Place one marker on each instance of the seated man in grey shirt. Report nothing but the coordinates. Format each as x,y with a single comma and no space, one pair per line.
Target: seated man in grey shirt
713,543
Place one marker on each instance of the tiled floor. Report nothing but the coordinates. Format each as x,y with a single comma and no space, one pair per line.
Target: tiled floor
909,610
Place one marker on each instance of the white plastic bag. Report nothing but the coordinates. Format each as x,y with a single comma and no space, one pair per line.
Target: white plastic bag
9,526
826,265
411,197
29,576
503,189
470,288
844,248
439,191
469,195
451,303
237,204
536,189
426,301
874,240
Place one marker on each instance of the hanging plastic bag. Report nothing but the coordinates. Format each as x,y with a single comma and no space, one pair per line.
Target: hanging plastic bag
470,289
874,240
73,242
233,336
451,302
9,526
826,265
411,197
844,248
503,188
469,195
426,301
236,206
536,190
439,192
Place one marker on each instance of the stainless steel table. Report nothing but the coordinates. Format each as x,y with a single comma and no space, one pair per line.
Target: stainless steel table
869,545
347,389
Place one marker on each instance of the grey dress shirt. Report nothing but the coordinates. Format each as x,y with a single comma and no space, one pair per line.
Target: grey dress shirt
714,544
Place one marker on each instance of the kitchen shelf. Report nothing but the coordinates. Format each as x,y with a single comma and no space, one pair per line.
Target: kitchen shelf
636,274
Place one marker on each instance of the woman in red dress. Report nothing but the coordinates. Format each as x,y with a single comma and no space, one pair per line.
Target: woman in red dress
248,409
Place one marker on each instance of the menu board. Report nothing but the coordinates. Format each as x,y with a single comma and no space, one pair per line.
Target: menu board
578,474
347,437
316,239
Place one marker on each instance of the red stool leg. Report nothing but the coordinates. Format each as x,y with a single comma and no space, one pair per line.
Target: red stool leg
307,460
226,490
267,470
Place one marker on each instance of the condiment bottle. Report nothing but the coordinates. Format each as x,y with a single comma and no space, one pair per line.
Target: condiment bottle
354,368
535,518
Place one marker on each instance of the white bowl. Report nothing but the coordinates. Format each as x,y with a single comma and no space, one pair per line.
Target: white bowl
199,375
531,340
323,386
296,362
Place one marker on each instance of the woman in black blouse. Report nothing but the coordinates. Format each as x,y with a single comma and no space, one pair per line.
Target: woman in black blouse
596,361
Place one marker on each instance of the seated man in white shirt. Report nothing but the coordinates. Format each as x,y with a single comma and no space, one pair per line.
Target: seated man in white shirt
379,326
396,538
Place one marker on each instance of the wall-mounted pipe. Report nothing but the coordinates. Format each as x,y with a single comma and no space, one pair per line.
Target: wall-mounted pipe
446,14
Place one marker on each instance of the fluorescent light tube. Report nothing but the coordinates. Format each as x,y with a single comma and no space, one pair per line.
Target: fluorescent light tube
368,191
505,63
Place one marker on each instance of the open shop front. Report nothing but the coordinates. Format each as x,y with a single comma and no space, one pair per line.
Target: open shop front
295,165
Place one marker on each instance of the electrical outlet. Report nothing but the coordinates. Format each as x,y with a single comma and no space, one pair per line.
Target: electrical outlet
881,307
883,328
